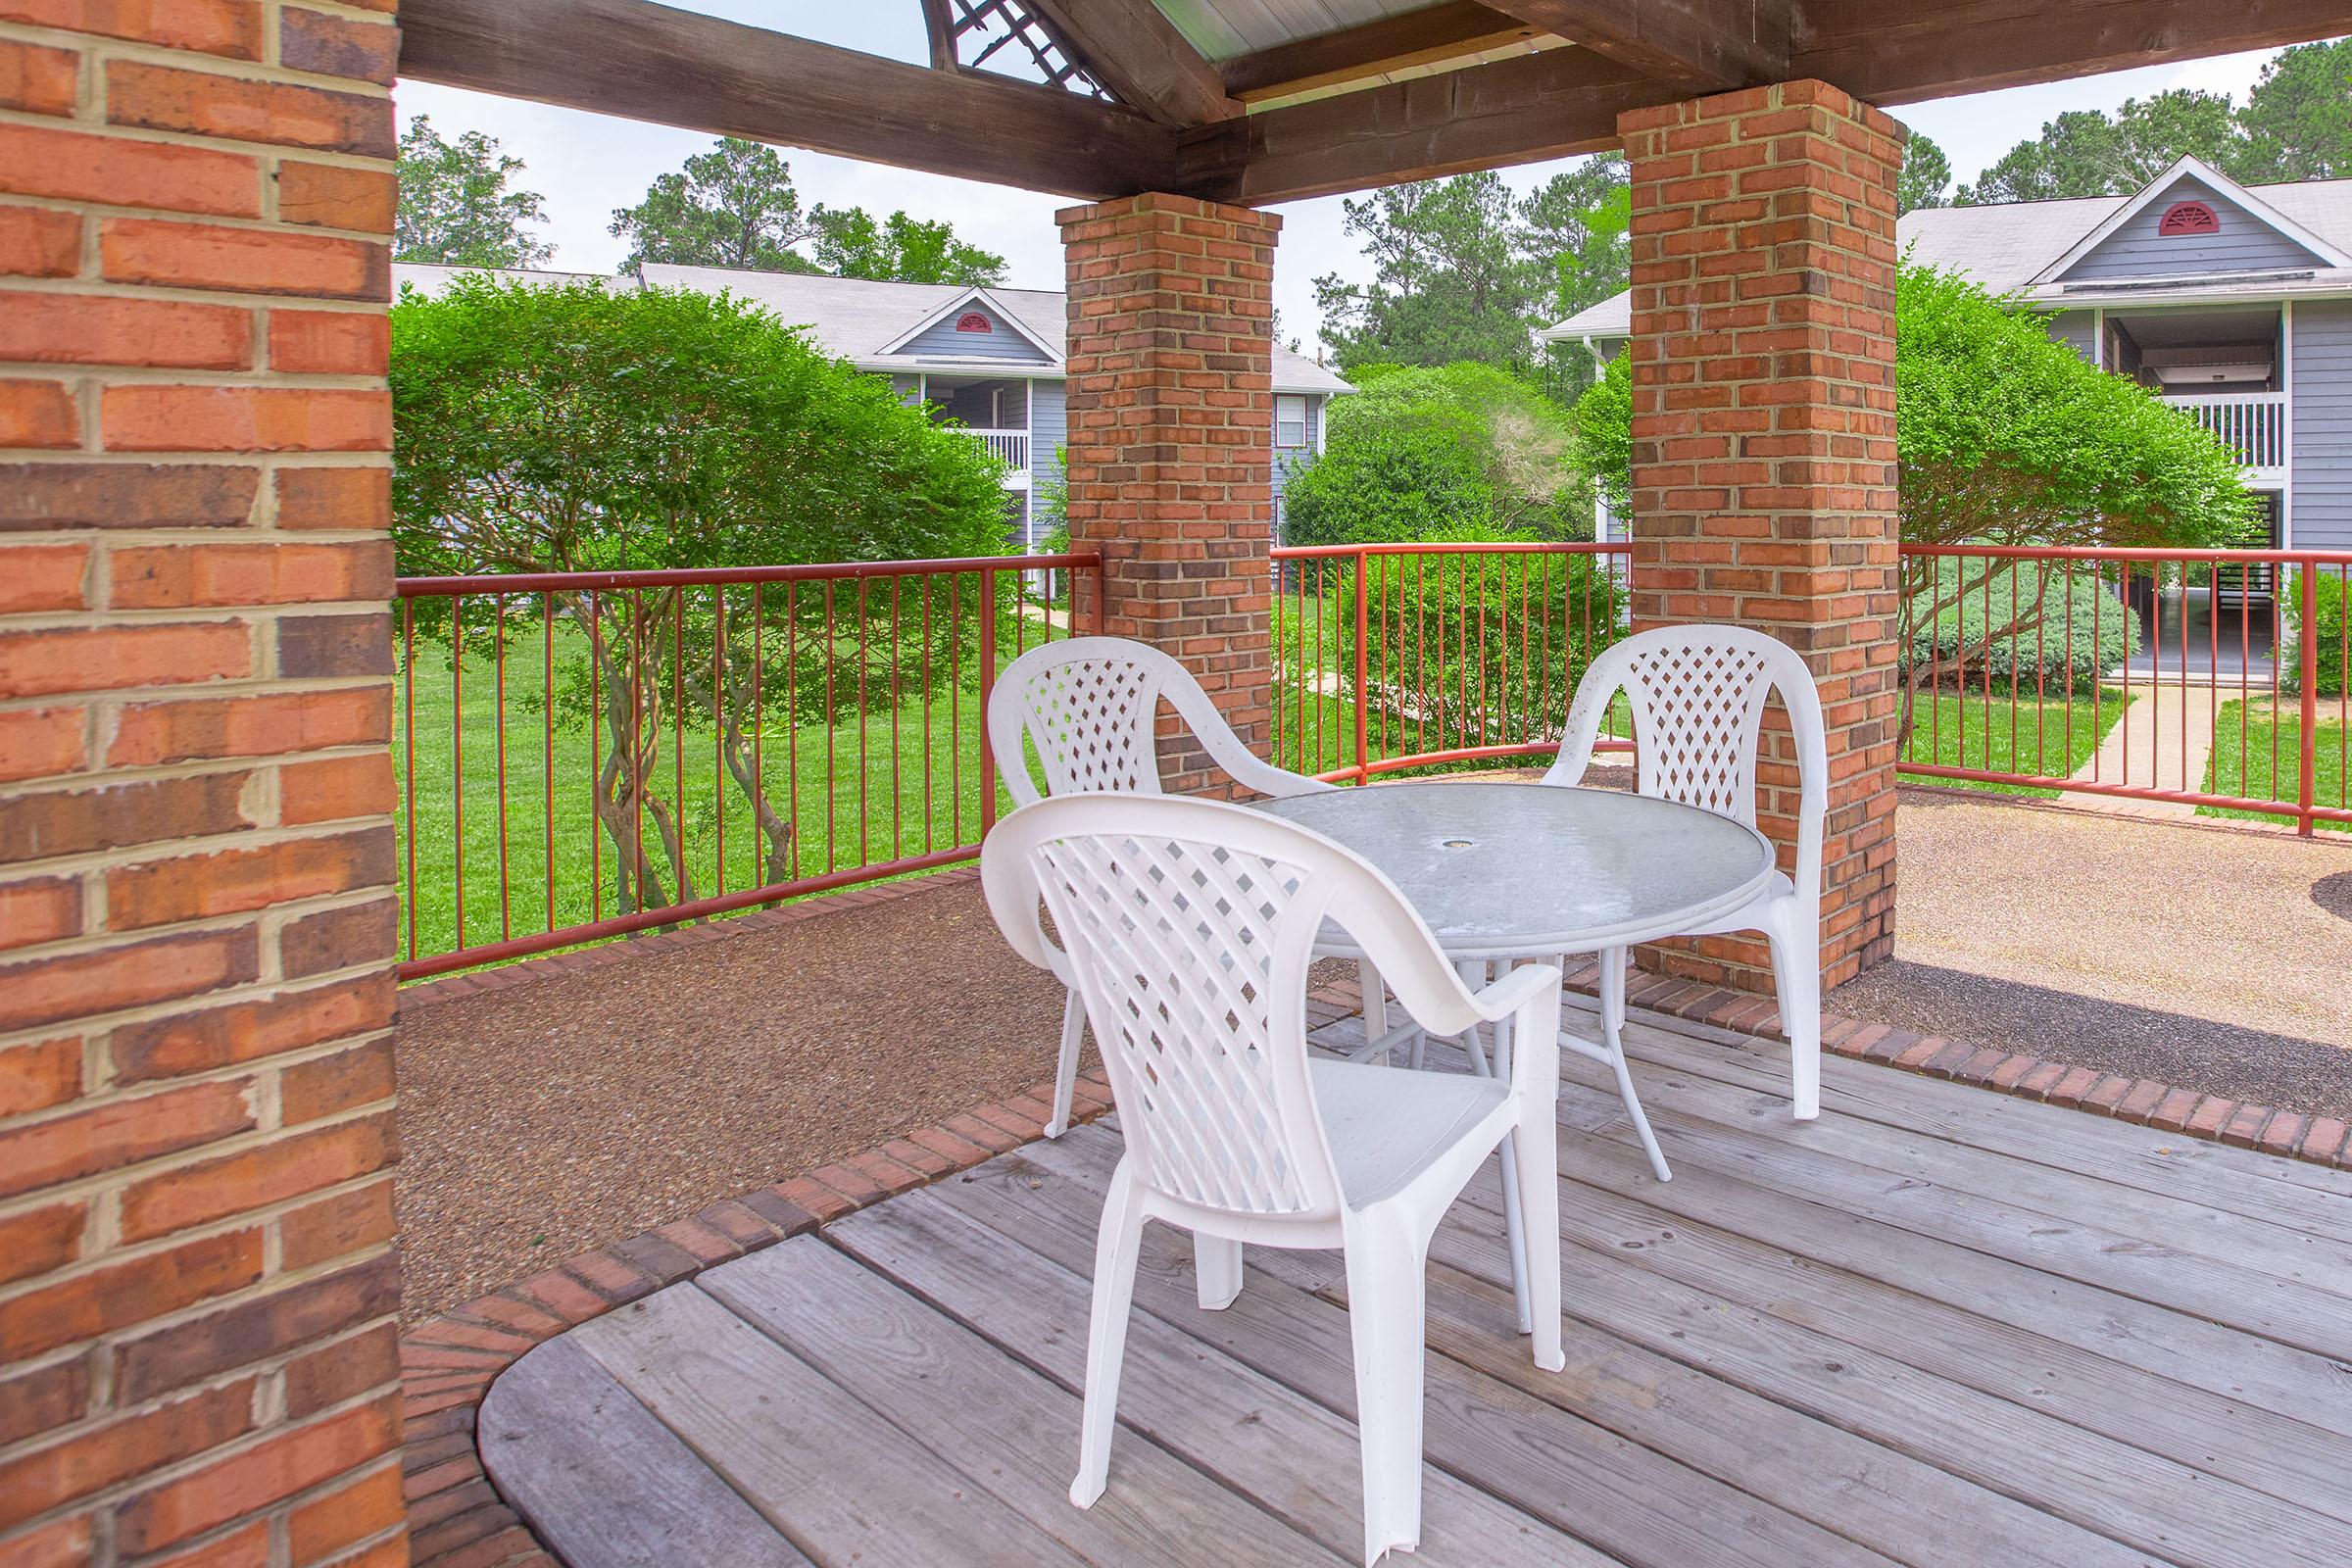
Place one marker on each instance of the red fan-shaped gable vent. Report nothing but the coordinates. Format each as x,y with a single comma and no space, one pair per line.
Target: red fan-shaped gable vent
2188,217
974,321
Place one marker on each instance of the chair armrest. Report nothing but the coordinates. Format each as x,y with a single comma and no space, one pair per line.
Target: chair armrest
1515,990
1529,998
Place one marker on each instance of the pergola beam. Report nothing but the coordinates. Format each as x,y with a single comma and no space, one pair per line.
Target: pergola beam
1706,45
1566,101
651,62
1454,30
1137,53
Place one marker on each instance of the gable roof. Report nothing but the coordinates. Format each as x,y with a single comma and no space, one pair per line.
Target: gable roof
2188,169
2011,247
974,295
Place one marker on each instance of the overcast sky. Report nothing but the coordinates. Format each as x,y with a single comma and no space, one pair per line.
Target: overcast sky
587,165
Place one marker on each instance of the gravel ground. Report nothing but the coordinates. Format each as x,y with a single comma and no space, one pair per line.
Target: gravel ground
2213,959
542,1121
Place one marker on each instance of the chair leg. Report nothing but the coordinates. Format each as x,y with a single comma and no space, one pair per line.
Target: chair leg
1065,1067
1386,1303
1376,1001
1117,1245
1216,1270
1793,929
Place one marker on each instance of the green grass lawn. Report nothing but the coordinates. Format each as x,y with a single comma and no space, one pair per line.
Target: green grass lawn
861,790
2241,762
2047,738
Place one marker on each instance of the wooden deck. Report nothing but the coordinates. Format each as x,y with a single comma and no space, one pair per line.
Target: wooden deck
1939,1326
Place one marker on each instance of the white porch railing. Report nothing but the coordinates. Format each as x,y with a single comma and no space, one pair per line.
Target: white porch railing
1010,444
2252,425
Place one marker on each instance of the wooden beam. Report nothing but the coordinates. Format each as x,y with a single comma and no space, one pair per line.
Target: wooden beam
1706,45
1550,104
1900,54
1454,30
1566,101
1137,53
674,67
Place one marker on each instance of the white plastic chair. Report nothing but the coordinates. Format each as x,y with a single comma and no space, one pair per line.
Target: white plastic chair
1697,695
1090,708
1187,926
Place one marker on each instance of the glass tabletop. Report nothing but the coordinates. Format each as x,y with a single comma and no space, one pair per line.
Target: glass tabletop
1514,870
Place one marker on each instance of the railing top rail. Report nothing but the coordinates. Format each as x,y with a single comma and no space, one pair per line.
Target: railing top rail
2223,397
2226,558
1560,547
529,582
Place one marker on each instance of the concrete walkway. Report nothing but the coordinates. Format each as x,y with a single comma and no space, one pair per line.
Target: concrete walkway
2164,741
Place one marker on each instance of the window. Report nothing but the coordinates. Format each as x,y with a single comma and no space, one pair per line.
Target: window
1290,421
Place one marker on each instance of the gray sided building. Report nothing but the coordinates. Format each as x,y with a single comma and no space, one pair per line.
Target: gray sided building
2231,302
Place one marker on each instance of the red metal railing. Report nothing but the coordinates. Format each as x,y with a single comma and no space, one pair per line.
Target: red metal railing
1396,657
2208,678
584,754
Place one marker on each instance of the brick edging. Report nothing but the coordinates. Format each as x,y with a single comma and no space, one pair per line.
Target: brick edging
2319,1140
456,1518
643,944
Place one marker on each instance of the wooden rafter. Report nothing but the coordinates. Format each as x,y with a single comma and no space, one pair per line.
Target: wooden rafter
1456,29
651,62
1133,50
1707,45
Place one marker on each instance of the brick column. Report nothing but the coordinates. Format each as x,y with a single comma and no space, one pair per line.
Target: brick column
197,1285
1763,314
1171,440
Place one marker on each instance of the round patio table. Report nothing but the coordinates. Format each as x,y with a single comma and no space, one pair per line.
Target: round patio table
1504,871
1536,870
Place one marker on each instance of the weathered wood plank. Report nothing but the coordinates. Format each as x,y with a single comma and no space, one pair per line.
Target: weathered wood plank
1010,1429
1897,1504
676,67
1297,1458
842,1482
2295,1193
2147,1503
603,1481
2272,1454
1694,1121
2187,1225
1624,1497
2171,1343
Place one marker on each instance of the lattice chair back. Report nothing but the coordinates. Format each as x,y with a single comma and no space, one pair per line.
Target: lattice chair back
1187,926
1090,706
1697,695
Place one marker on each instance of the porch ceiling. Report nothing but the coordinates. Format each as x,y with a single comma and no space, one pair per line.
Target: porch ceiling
1327,95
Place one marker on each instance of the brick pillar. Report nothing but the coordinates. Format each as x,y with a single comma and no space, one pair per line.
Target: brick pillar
197,1284
1171,440
1763,314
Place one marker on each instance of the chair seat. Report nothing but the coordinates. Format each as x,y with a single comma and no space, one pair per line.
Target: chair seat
1388,1124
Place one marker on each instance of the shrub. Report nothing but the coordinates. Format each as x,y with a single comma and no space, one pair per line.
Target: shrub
2047,619
2332,597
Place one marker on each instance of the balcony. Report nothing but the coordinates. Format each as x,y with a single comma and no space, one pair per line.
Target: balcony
1010,444
2252,425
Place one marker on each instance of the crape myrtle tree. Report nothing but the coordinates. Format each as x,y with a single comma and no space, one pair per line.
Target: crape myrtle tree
2004,436
582,428
1476,648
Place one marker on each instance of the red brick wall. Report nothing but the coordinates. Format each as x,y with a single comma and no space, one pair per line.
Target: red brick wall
1763,314
1171,343
197,1287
